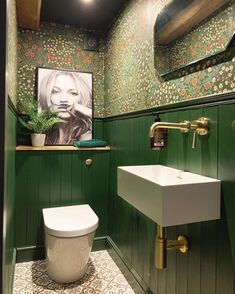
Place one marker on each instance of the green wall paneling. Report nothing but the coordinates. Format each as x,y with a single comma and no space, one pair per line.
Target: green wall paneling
131,231
226,228
95,186
98,128
171,277
210,143
57,178
195,155
21,200
209,266
194,230
173,138
111,183
33,199
181,286
184,143
209,229
9,204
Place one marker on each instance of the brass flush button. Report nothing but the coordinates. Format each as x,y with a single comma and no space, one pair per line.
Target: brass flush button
233,125
88,161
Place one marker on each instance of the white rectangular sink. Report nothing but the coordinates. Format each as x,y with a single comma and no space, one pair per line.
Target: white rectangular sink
169,196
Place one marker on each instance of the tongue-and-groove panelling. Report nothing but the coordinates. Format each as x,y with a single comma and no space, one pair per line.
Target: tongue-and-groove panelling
57,178
9,206
209,267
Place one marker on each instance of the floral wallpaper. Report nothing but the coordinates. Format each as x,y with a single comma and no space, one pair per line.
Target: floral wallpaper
58,46
125,79
12,51
131,82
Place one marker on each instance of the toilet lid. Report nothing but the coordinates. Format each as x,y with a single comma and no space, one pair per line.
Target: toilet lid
70,221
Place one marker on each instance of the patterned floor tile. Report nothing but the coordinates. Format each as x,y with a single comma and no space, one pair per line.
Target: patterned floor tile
102,276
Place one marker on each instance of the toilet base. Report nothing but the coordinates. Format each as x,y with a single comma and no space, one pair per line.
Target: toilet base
67,258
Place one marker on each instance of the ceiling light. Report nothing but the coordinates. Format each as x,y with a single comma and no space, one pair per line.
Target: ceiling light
87,1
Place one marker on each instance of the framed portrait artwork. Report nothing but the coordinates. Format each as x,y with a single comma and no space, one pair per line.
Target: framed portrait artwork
69,94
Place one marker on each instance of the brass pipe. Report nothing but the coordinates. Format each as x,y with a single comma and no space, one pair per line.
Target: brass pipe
160,248
162,245
160,231
182,126
173,244
180,244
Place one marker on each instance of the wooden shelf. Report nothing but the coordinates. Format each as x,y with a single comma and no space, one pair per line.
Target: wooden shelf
60,148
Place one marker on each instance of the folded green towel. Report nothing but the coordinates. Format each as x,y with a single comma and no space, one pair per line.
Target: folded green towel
90,143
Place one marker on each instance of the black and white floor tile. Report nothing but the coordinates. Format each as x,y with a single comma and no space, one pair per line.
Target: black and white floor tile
102,276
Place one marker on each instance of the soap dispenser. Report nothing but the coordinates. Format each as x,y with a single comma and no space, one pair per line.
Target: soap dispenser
158,141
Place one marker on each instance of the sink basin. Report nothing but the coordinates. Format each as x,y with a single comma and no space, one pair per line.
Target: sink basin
169,196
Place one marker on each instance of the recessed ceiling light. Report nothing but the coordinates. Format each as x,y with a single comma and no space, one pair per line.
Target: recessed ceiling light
87,1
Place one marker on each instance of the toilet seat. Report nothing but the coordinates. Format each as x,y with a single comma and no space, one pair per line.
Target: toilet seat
70,221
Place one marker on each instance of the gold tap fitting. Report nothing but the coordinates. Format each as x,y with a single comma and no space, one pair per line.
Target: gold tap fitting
180,244
162,245
182,126
199,126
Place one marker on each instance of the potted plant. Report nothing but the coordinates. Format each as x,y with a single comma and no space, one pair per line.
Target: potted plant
37,122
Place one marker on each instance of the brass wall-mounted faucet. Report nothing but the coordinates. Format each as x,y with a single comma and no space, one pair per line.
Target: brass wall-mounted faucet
157,132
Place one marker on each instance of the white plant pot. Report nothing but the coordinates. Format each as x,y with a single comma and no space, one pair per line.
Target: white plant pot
38,140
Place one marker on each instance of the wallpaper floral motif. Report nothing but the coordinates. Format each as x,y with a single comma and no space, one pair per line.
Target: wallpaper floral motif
131,82
58,46
12,51
125,79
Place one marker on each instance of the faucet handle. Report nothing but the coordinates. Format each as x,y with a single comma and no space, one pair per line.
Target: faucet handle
194,140
199,126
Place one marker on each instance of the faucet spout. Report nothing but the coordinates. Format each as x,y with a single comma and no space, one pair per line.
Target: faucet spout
182,126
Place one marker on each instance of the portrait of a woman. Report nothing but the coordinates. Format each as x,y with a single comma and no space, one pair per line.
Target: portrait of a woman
69,94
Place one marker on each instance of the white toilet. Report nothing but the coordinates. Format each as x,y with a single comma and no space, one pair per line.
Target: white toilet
69,234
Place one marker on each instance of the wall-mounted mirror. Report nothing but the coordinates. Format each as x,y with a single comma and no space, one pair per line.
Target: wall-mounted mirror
179,41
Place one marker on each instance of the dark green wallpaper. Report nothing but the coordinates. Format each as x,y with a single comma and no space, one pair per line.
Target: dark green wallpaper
58,46
125,79
131,82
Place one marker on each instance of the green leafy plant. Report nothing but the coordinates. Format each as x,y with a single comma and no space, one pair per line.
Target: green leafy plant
37,122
